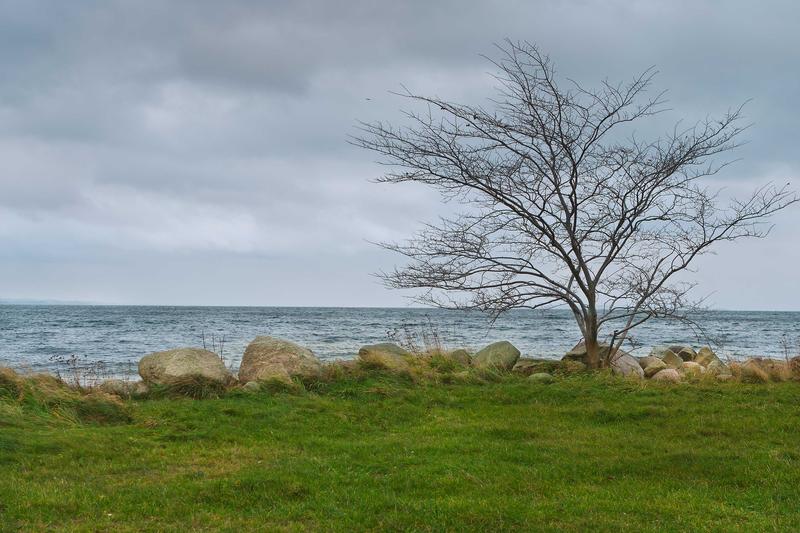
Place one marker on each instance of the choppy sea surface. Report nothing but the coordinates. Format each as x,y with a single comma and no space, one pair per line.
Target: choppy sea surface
36,337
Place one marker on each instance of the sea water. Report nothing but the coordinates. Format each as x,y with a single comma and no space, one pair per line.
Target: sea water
37,337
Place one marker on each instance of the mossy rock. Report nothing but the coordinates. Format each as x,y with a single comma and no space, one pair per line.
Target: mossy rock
528,366
705,356
692,369
383,356
669,357
578,353
654,367
571,367
270,357
460,356
501,355
668,375
646,361
686,353
181,364
542,378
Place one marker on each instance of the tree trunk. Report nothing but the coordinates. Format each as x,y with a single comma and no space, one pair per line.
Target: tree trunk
593,355
593,359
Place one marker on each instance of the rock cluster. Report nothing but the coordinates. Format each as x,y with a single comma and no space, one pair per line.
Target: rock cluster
269,359
674,363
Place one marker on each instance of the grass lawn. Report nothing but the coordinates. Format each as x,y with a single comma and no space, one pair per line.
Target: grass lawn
380,453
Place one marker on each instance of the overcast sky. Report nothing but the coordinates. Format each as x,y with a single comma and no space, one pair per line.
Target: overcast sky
196,152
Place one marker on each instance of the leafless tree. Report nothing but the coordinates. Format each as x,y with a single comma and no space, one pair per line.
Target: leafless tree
564,205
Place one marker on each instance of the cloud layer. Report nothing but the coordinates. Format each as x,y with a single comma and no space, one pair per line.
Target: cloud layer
196,152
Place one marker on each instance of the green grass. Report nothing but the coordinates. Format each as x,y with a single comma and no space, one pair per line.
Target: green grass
380,453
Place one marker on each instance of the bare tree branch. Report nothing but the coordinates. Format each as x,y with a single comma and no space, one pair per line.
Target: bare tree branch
559,207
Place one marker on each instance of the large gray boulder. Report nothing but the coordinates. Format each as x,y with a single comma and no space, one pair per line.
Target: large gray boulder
268,358
385,355
167,367
624,364
502,355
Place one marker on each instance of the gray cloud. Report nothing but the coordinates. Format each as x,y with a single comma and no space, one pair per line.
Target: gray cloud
151,147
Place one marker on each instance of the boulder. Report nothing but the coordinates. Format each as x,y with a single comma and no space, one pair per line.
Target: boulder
385,356
167,367
541,377
690,368
751,372
763,369
686,353
624,364
502,355
526,367
669,375
269,358
123,388
460,356
669,357
578,353
646,361
705,356
724,377
654,368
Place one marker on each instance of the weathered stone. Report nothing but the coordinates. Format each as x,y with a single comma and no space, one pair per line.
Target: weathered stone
669,357
654,368
123,388
762,369
724,377
167,367
705,356
502,355
751,372
542,378
526,367
669,375
624,364
385,355
646,361
267,358
578,353
686,353
460,356
690,368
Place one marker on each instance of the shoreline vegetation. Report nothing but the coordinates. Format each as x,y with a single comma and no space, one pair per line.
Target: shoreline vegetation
429,440
366,446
